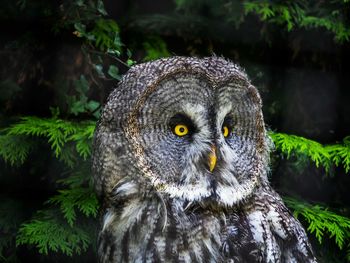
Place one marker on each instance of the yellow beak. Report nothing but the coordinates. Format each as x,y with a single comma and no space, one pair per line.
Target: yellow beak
212,158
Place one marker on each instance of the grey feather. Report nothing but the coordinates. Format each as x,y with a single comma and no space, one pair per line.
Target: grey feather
161,202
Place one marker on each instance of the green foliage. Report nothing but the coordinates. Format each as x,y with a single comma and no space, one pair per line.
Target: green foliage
113,71
101,43
47,231
340,154
69,236
75,197
14,149
104,35
322,222
79,12
106,32
268,11
58,132
82,104
155,48
83,137
301,14
328,15
336,154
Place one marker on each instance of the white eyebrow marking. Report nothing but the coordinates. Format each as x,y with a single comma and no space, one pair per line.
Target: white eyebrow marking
223,111
197,114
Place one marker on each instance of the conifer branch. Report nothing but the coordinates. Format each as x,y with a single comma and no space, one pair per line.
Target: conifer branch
49,233
325,156
321,221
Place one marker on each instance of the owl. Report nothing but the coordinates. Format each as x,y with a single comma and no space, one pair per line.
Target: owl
181,162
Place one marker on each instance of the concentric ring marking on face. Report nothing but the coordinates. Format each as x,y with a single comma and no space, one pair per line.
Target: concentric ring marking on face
168,95
134,124
184,95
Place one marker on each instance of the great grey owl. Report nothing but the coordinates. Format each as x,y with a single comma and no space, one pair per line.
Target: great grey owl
181,161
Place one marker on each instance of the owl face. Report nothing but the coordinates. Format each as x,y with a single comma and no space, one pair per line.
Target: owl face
194,133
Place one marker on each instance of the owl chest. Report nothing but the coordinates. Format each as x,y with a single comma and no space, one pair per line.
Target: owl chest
158,233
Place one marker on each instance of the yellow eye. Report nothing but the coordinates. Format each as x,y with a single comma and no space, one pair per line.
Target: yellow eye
225,131
181,130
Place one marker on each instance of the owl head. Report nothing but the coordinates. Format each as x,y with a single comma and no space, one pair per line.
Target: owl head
186,128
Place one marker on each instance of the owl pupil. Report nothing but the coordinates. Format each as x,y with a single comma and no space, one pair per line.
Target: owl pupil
182,130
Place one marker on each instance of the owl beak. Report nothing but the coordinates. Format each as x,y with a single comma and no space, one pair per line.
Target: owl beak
212,158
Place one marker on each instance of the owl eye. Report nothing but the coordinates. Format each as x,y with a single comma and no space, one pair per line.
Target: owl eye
181,130
227,126
225,131
181,125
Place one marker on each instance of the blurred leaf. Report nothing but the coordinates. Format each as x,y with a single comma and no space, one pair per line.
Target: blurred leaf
14,149
99,69
78,107
113,71
130,62
80,28
155,48
92,105
82,85
101,8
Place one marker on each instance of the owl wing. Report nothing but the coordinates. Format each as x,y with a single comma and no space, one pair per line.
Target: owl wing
266,231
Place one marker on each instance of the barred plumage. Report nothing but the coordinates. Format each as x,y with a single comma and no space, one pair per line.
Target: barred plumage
201,195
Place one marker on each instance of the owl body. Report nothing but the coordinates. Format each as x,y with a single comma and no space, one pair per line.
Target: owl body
181,161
